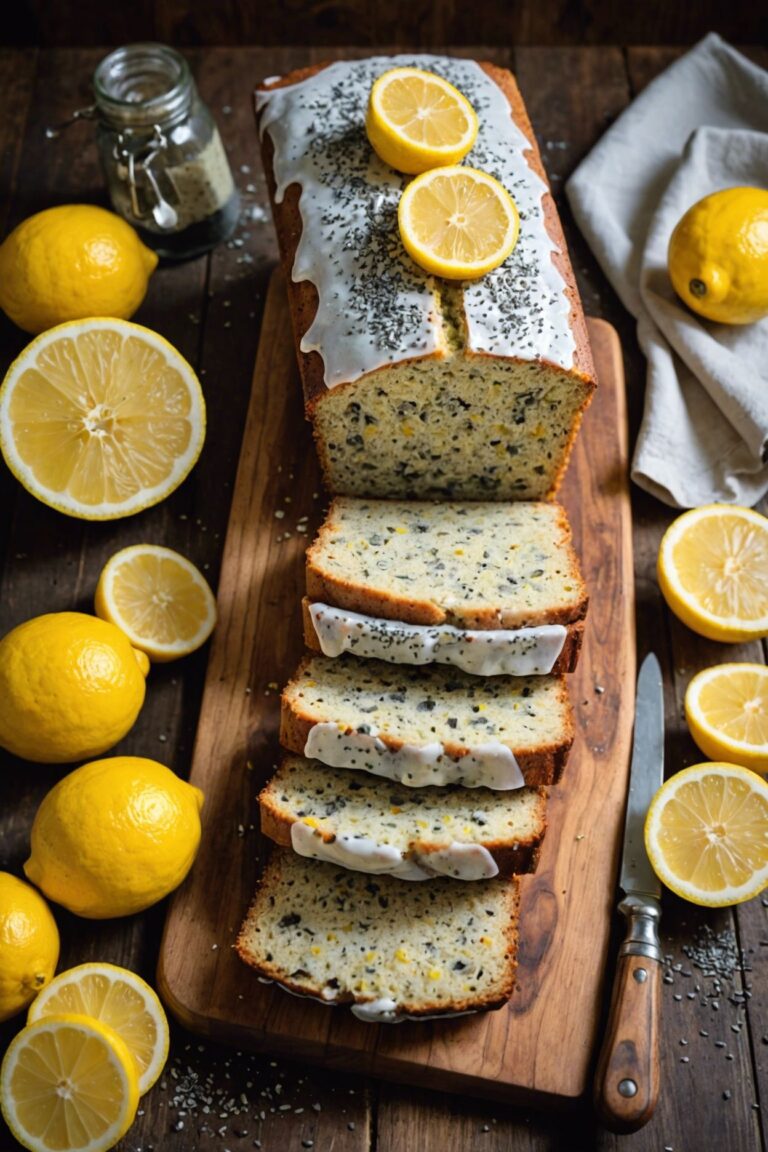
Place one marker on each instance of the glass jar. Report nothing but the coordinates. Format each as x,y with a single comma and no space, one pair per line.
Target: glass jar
163,159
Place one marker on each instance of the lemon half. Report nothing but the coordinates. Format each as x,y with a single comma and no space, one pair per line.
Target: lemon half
116,997
101,418
457,222
68,1084
706,834
727,712
416,121
159,599
712,569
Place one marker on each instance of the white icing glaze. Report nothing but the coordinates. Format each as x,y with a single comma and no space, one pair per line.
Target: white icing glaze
489,765
361,854
375,305
497,652
382,1011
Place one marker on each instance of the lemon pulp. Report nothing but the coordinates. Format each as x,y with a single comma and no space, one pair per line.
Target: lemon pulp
101,418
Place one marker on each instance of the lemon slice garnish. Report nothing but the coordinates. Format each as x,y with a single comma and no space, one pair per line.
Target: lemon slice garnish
706,834
712,572
416,121
159,599
68,1083
727,712
116,997
457,223
101,418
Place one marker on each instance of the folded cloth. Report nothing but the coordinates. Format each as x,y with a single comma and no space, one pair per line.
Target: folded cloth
698,127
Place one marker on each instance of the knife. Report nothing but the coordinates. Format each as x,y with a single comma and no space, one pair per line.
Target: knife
627,1078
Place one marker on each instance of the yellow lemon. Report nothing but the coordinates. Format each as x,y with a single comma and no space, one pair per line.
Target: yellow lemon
70,262
416,121
116,997
68,1084
706,834
71,686
114,837
158,598
457,223
718,256
727,712
101,418
29,944
712,569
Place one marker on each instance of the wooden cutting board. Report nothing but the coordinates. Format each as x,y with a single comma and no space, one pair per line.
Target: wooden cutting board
539,1047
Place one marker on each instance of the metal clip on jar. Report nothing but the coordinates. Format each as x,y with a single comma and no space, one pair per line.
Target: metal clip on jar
161,152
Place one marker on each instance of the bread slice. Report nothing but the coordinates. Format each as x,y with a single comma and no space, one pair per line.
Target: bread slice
413,582
369,825
418,387
425,726
392,950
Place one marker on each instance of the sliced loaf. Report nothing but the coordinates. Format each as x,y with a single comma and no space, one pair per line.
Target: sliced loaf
479,566
374,826
428,726
492,589
390,949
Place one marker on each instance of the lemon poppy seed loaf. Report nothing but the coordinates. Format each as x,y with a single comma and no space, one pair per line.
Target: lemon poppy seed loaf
416,387
489,588
428,726
369,825
389,949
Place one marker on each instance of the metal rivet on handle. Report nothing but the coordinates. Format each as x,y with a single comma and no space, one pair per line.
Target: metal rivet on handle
627,1088
640,975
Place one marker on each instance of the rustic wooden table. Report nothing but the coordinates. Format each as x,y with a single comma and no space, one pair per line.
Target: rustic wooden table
715,992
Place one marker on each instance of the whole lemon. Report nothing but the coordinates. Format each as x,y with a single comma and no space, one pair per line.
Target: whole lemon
29,944
71,686
114,837
718,256
71,262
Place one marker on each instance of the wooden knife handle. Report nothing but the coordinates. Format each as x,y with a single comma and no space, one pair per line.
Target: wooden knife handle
627,1079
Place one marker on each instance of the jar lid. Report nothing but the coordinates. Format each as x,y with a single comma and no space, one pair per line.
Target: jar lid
142,84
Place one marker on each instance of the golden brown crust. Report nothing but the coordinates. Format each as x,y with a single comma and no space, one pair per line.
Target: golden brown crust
511,860
328,588
303,295
566,661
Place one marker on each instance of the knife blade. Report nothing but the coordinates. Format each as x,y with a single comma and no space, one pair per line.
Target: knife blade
627,1078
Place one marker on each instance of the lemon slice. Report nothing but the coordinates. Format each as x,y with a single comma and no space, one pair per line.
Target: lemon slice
712,572
706,834
457,223
68,1084
119,999
727,712
159,599
101,418
416,121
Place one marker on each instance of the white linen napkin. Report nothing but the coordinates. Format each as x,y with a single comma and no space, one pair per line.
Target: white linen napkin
700,126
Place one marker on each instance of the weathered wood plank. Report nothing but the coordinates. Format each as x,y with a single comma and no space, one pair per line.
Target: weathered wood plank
420,23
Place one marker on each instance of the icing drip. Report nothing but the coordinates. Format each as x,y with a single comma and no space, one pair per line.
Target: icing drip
375,306
382,1011
520,652
490,765
361,854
